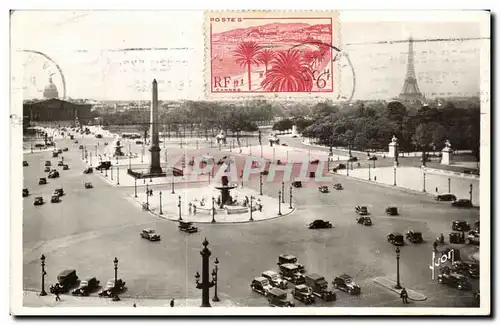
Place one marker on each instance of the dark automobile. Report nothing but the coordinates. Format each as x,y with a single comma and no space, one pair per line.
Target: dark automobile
345,283
65,149
59,151
467,268
98,136
53,174
104,165
88,185
42,181
340,166
460,225
138,142
352,158
456,238
187,227
38,201
472,238
284,145
275,279
455,280
47,169
112,288
26,192
392,211
445,197
86,287
59,192
323,189
55,154
320,224
278,298
55,199
65,167
88,170
315,162
105,143
338,186
297,184
290,259
462,203
65,280
25,163
361,210
414,237
303,293
76,141
150,235
319,287
372,158
80,146
261,285
396,239
264,172
291,273
48,163
60,163
365,221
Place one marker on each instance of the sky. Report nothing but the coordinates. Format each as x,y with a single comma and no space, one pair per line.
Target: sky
88,48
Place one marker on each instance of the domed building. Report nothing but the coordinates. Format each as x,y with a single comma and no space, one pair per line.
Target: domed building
50,90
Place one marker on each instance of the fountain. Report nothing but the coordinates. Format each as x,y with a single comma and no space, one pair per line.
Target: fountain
118,149
221,138
224,189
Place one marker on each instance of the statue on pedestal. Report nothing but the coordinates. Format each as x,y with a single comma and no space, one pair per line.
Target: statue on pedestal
273,139
221,137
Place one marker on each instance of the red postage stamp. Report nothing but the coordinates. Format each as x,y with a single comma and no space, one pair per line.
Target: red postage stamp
270,52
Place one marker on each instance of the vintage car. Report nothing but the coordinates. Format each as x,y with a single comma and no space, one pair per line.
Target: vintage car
98,136
315,162
445,197
88,170
352,158
472,238
187,227
275,279
88,185
361,210
290,259
460,225
138,142
414,237
396,239
303,293
264,172
80,146
25,163
319,287
455,280
278,298
65,281
291,273
462,203
55,199
42,181
456,238
372,158
60,163
59,151
55,154
261,285
86,287
150,234
65,167
26,192
345,283
363,220
297,184
323,189
112,288
105,143
38,201
467,268
53,174
104,165
392,211
65,149
338,186
48,163
339,167
47,169
59,192
76,141
320,224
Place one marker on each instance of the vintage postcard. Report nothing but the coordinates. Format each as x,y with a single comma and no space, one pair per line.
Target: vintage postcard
223,163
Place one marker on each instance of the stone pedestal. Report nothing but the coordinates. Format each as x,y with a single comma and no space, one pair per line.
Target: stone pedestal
447,154
154,167
294,130
393,149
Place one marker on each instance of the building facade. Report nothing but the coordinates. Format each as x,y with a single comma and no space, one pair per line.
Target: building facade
56,111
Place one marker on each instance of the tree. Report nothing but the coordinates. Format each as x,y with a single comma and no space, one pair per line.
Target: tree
283,125
246,54
396,111
288,73
265,57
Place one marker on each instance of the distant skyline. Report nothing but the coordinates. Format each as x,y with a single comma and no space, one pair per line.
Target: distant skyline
84,43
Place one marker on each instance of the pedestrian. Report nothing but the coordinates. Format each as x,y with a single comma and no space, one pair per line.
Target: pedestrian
404,296
134,305
190,206
260,207
172,302
194,209
436,189
435,245
57,295
463,236
375,178
441,238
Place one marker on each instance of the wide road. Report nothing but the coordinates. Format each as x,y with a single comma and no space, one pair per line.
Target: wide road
90,227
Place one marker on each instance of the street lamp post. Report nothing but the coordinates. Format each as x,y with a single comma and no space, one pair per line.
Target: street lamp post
117,175
213,209
398,284
470,192
96,150
251,208
291,196
215,273
115,262
173,183
90,159
394,175
279,203
283,192
147,196
205,284
142,154
179,206
42,292
260,183
106,172
161,211
369,172
111,173
423,190
135,187
449,184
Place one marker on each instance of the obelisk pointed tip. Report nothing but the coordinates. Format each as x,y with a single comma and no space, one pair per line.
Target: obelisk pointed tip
154,81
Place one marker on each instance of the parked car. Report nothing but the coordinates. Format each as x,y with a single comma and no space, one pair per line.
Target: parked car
279,298
42,181
338,186
414,237
105,143
467,268
319,287
25,163
65,167
345,283
55,199
472,238
455,280
48,163
112,288
264,172
352,158
396,239
80,146
65,281
38,201
26,192
104,165
323,189
86,287
59,192
53,174
290,259
138,142
60,163
47,169
76,141
339,166
456,238
392,211
363,220
361,210
291,273
88,185
65,149
55,154
320,224
462,203
88,170
98,136
59,151
460,225
187,227
150,234
372,158
303,293
275,279
261,285
284,145
315,162
445,197
297,184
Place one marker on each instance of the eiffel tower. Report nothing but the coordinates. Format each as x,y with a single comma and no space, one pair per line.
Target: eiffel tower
410,91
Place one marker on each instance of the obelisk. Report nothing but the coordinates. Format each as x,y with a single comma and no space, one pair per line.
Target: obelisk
154,167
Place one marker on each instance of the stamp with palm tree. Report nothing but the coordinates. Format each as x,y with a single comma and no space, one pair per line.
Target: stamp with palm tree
270,52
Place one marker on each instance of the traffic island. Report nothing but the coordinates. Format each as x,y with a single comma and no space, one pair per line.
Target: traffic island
391,284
